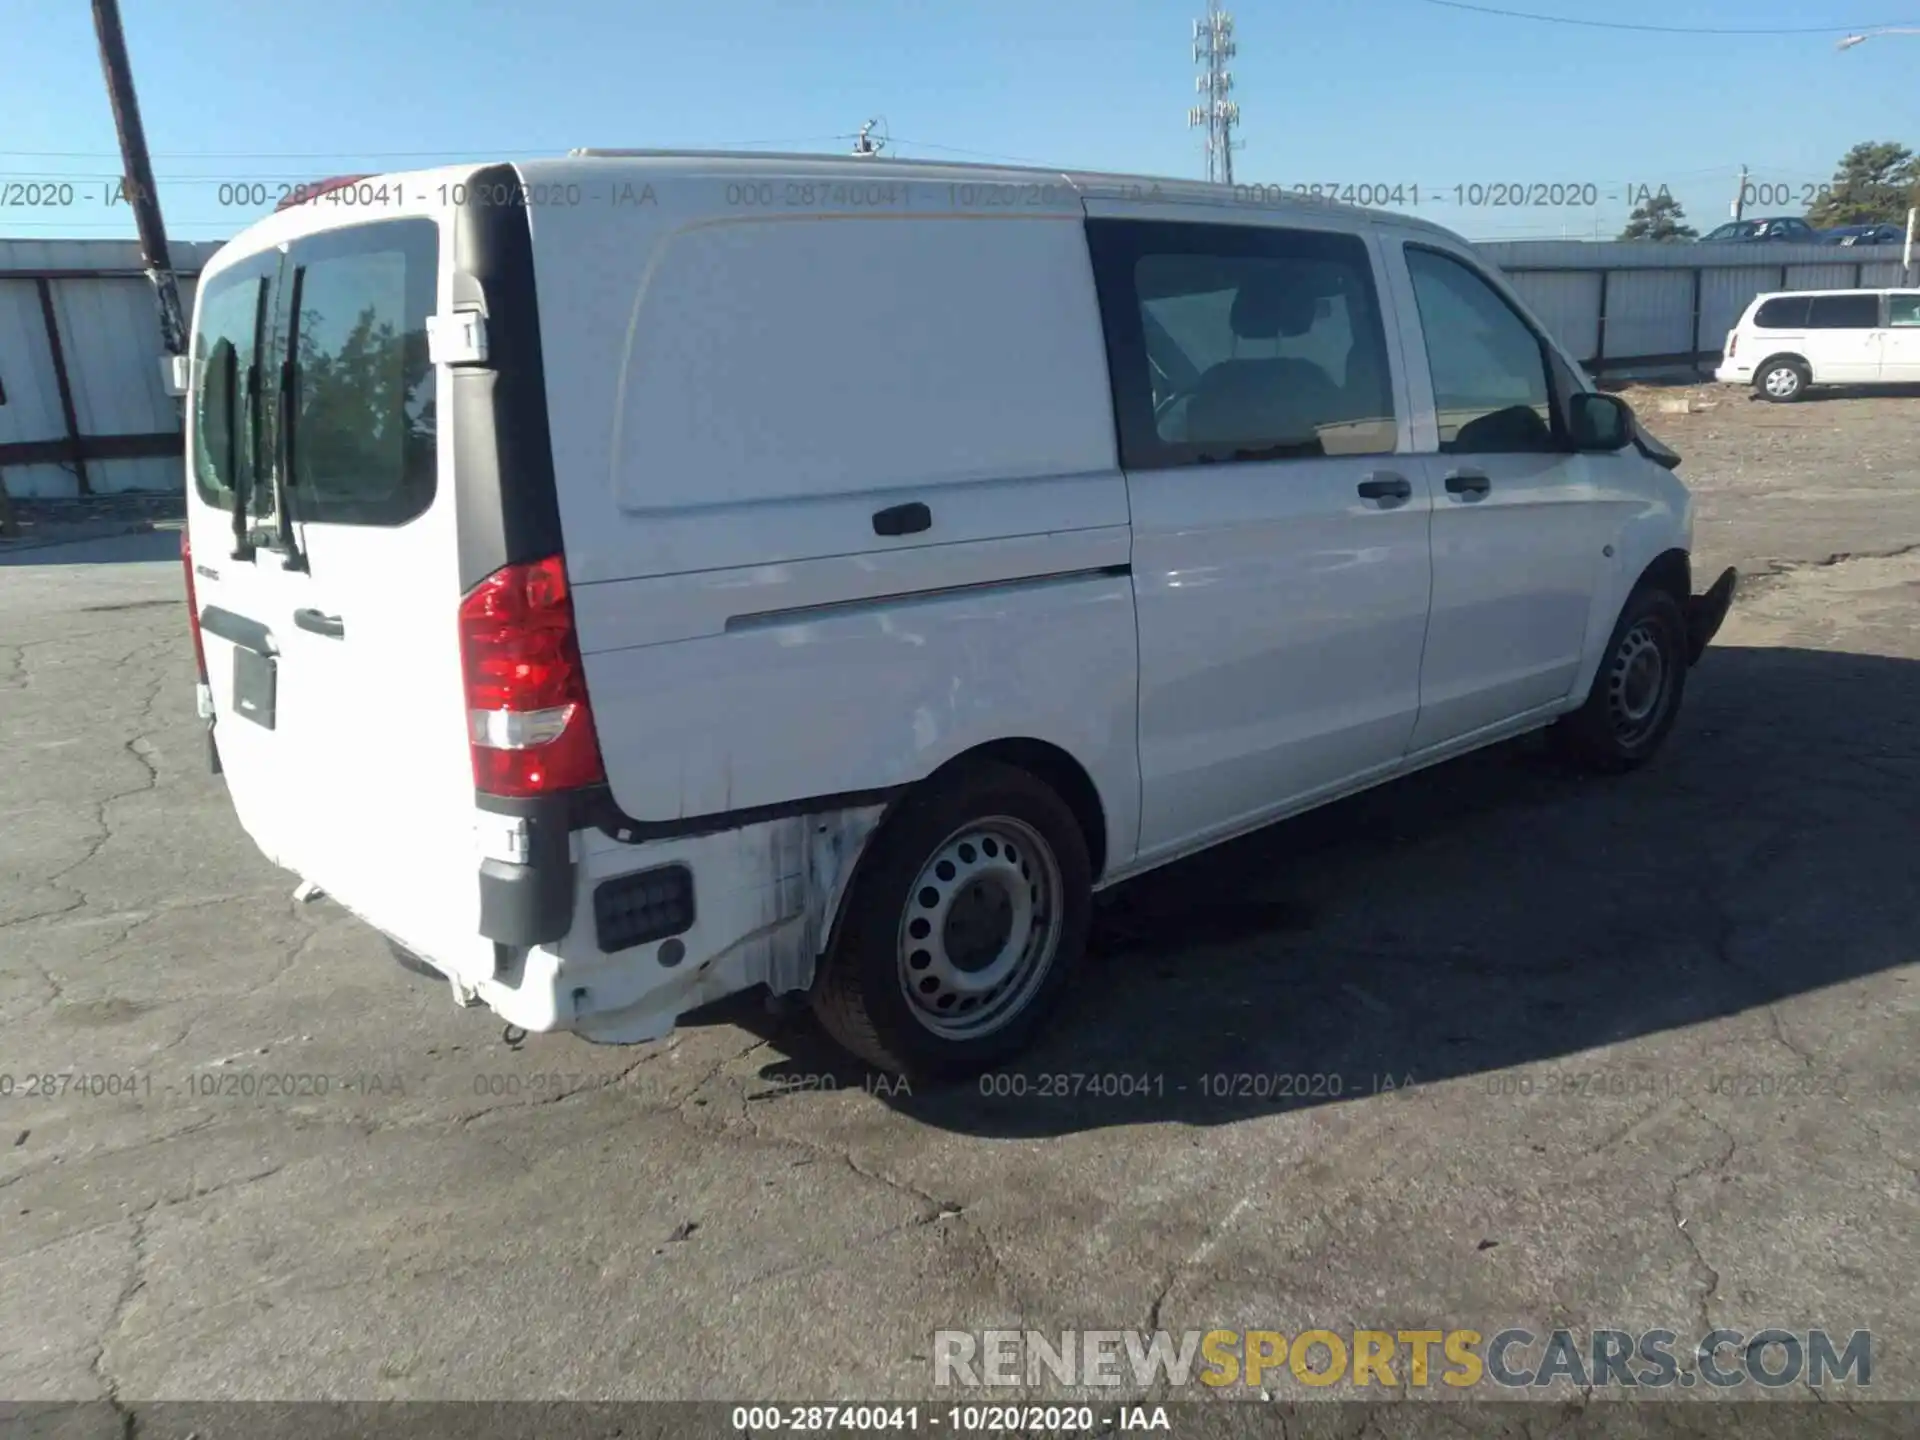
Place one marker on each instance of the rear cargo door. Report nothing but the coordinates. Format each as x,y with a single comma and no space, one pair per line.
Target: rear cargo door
231,511
360,773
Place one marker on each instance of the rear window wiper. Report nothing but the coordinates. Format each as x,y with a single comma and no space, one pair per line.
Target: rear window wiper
243,547
288,544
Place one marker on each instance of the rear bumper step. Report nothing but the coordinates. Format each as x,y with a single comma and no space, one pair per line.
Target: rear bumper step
1706,612
528,899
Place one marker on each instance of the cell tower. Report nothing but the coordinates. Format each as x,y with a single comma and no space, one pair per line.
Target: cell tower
1212,47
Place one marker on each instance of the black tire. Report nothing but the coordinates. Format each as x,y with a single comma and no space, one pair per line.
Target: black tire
1001,836
1611,733
1782,380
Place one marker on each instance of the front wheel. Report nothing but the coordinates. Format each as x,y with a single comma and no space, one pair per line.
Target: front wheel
1636,694
962,929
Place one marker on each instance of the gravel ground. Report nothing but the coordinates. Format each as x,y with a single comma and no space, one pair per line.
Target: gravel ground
1831,476
1652,1045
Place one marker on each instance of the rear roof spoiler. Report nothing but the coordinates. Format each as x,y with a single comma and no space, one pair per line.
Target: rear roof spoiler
300,194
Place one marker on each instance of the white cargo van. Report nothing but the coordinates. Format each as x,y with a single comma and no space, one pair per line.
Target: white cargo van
1789,341
631,578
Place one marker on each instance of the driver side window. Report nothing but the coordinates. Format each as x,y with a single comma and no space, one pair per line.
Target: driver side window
1490,384
1235,343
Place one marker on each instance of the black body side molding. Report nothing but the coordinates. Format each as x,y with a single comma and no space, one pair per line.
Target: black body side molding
508,508
596,808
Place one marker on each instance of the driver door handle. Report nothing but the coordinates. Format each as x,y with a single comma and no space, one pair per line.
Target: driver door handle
319,624
1468,482
1385,485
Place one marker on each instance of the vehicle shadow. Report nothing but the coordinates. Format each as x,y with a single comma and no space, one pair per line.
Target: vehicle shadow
1489,913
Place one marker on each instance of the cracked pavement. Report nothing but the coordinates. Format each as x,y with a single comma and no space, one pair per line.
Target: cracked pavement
1636,1053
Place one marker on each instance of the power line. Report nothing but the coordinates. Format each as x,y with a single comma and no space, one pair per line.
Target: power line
1656,29
351,154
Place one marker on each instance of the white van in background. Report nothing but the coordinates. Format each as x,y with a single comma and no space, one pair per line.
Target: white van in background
631,578
1792,340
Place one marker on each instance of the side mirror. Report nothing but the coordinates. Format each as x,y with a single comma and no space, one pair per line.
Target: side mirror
1600,422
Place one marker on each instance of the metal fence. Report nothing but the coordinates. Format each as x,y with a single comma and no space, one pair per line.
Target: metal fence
83,406
1628,304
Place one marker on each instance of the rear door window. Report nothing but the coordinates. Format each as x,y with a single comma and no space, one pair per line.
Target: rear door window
362,443
230,387
1844,312
1903,311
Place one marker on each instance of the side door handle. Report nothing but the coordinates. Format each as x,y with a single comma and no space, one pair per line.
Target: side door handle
1468,482
908,519
329,625
1385,485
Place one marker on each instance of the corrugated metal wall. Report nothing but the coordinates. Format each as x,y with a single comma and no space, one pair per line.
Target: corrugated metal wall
1646,292
108,330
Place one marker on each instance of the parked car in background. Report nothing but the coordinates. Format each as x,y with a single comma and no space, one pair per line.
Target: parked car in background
1864,235
1773,227
1786,343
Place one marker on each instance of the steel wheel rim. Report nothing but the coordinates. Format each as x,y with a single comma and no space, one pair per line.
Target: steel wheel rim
1783,381
1637,682
981,927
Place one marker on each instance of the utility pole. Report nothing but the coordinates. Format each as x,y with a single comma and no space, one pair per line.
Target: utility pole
1213,46
139,175
1738,208
866,144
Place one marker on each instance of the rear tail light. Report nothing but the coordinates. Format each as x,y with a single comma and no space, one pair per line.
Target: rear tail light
193,605
528,724
1733,343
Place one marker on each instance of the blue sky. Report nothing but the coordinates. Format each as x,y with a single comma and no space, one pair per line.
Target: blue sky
1389,92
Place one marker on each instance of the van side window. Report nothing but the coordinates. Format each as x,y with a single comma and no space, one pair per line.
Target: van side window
1903,310
1783,312
1490,379
364,433
1844,312
1230,343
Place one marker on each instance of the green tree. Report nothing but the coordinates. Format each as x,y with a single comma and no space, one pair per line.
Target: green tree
1874,184
358,419
1658,217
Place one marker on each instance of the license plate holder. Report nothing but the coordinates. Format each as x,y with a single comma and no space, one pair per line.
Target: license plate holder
255,680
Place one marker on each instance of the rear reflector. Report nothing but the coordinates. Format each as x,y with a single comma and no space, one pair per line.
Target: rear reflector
193,605
529,728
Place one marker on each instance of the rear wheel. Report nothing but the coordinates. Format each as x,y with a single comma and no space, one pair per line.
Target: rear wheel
962,929
1782,381
1636,694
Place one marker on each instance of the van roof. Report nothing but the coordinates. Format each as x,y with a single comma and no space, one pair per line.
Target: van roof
1088,182
1765,295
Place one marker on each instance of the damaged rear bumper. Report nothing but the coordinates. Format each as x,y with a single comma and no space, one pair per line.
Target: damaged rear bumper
1706,612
